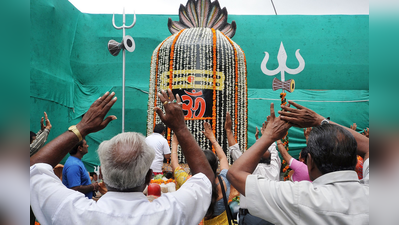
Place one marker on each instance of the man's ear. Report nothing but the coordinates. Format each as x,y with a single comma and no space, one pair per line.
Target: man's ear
311,166
148,177
314,172
309,162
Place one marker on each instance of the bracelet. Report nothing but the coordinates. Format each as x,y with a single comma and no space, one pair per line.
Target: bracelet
280,144
75,130
174,152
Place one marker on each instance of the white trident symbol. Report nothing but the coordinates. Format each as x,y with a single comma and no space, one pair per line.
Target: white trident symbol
115,47
282,61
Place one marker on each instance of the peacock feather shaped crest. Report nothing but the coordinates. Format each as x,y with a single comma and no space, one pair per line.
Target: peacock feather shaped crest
202,13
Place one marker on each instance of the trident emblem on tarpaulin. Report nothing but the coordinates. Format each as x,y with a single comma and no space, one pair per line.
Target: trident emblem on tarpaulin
288,85
114,48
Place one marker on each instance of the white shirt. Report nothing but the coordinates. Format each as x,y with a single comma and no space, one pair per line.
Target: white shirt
271,171
53,203
161,147
334,198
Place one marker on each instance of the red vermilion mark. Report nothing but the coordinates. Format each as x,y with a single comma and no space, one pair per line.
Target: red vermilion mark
190,79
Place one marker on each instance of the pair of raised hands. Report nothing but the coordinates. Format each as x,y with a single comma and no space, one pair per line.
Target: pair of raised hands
94,121
173,117
48,124
302,117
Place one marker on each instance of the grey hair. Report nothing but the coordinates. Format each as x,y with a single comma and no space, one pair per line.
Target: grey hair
125,160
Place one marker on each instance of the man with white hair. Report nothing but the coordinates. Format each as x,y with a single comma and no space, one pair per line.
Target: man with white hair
125,165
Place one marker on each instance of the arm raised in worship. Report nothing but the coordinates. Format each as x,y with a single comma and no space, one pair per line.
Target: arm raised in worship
246,164
227,126
233,148
174,119
224,164
41,136
284,153
92,121
257,133
306,133
354,126
174,159
366,132
262,131
303,117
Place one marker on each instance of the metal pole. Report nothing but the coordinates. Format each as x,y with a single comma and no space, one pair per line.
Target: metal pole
123,78
131,49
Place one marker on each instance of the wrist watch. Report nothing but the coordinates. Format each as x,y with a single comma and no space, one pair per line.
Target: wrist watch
75,130
325,121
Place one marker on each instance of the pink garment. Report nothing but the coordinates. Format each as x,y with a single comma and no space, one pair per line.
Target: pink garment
300,170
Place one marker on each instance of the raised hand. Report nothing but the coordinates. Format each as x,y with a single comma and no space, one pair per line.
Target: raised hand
174,140
48,124
366,132
276,128
93,119
246,164
208,132
301,117
173,117
354,126
264,125
306,133
228,123
42,127
257,133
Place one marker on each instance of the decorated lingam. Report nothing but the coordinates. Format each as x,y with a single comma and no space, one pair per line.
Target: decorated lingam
206,68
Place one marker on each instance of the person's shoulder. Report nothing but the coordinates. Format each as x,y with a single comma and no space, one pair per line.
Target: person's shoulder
68,161
200,178
73,162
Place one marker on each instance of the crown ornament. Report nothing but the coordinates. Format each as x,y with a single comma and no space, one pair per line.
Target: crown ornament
202,13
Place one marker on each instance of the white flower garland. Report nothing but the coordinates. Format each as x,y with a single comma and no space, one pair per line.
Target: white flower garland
193,51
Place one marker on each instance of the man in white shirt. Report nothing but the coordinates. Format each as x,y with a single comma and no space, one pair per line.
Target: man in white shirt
125,165
336,195
157,141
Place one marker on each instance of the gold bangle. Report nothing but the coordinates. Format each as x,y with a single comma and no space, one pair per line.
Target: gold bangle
75,130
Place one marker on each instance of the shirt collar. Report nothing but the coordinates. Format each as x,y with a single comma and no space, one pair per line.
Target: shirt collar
125,195
336,177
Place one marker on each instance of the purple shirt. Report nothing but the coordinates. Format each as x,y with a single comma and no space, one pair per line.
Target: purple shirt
300,170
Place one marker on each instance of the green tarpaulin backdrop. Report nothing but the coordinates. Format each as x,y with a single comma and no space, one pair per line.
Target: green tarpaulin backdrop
71,67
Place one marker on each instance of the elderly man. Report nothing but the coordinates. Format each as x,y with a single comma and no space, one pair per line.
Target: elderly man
336,195
125,165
